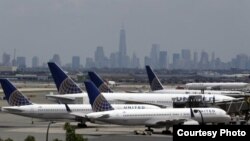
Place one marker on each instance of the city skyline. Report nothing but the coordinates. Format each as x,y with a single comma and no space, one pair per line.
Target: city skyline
76,28
157,59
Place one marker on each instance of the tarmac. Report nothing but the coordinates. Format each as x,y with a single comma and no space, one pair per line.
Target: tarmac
18,128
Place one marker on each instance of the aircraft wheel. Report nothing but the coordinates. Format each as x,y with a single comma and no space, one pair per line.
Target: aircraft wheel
166,132
82,125
149,130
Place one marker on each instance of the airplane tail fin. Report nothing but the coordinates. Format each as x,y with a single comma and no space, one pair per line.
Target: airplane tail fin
13,95
154,82
100,84
96,99
64,84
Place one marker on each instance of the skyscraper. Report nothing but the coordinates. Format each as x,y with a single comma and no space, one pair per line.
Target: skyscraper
21,62
135,62
212,63
241,61
35,62
204,61
6,60
195,57
100,57
195,61
122,49
163,60
176,61
114,60
154,56
75,62
89,63
186,58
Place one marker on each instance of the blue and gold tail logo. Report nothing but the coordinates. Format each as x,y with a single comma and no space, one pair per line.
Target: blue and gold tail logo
17,99
104,88
101,104
155,85
69,87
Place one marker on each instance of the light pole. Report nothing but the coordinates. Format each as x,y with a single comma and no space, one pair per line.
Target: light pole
51,122
202,120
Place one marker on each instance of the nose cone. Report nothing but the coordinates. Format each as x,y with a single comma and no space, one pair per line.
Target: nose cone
227,118
227,98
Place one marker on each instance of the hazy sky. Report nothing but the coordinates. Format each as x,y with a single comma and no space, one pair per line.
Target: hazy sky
77,27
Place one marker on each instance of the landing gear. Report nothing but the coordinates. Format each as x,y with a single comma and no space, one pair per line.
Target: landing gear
166,132
82,125
149,129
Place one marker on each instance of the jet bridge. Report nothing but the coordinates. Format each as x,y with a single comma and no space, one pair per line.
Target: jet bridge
235,107
241,108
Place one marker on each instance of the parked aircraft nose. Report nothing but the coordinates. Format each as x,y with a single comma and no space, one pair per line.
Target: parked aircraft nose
227,118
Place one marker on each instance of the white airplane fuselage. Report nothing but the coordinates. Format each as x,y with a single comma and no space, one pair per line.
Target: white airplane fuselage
181,91
59,111
151,98
156,118
221,85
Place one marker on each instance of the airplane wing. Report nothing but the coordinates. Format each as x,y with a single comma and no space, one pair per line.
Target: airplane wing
100,116
78,114
60,98
137,102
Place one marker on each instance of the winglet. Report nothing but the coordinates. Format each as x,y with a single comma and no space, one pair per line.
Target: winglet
13,95
154,82
100,84
96,99
64,84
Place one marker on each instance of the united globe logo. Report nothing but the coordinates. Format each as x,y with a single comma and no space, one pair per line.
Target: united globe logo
101,104
17,99
68,87
103,88
155,85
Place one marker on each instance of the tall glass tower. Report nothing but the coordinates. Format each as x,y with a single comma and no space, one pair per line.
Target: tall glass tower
122,49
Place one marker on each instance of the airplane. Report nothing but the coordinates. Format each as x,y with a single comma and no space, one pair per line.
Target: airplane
100,84
151,117
129,98
64,84
218,75
216,85
112,83
21,105
160,117
99,103
157,87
